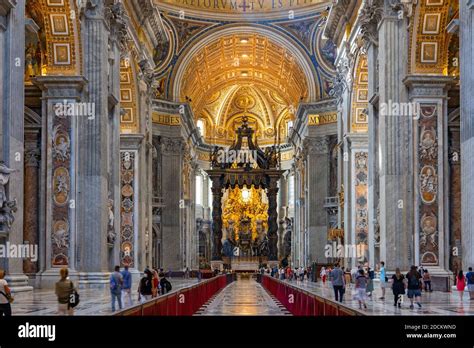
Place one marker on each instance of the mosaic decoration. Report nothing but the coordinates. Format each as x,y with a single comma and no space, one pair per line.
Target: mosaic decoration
61,188
128,98
361,197
127,208
429,42
360,96
428,183
60,25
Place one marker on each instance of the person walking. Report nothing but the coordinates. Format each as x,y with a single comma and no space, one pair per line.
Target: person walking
398,287
461,284
414,286
323,275
348,277
145,287
337,278
116,283
5,296
361,288
127,287
64,289
383,279
427,280
370,285
156,283
470,283
164,284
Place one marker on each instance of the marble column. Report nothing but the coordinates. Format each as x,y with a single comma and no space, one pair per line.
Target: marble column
297,238
216,232
12,43
357,199
396,147
282,211
272,192
373,149
58,212
92,151
429,95
172,162
130,240
317,160
116,45
466,28
31,187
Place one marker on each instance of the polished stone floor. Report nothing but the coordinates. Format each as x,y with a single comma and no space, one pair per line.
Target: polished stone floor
92,301
247,297
433,303
244,297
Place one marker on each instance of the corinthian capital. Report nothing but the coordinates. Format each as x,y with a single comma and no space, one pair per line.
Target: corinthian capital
172,146
316,146
370,15
94,9
118,21
405,6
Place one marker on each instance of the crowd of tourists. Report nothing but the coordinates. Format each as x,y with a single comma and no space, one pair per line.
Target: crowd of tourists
288,273
361,281
153,284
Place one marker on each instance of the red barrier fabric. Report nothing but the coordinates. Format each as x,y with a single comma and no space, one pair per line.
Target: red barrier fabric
301,303
185,302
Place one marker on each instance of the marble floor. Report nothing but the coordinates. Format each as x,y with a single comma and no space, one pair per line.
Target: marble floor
92,301
244,297
433,303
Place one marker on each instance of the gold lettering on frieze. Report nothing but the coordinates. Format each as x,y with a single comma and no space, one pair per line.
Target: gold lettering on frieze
241,6
322,119
167,120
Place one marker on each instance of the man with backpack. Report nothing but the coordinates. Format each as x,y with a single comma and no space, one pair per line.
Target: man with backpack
145,288
414,286
470,283
165,284
116,283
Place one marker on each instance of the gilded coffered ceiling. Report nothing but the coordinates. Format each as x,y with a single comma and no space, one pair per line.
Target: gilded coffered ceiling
239,74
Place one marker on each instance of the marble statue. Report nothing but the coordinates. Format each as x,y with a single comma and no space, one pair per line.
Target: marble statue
7,207
111,235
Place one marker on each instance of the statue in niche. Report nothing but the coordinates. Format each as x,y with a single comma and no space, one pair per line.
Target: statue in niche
377,226
32,59
287,237
7,207
111,235
6,214
4,178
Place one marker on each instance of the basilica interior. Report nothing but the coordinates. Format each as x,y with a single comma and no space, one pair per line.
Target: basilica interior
119,120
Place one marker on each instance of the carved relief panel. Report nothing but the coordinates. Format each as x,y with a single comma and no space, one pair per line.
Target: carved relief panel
428,185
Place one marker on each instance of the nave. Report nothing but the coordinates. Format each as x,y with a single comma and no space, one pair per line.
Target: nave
243,297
